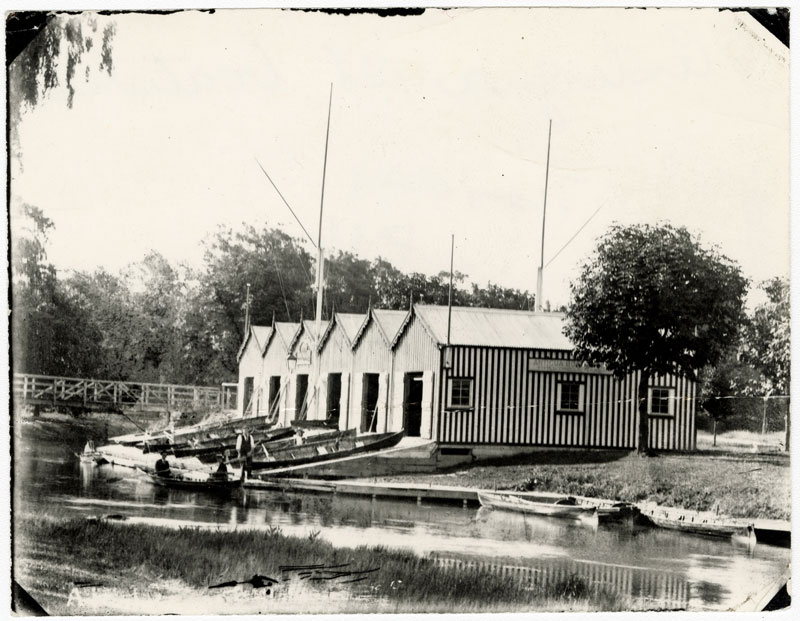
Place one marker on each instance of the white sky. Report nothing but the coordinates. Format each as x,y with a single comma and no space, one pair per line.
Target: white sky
439,125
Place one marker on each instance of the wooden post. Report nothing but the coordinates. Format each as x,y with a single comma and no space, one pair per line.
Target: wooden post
644,438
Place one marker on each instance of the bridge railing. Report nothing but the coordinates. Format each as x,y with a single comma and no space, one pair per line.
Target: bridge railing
72,391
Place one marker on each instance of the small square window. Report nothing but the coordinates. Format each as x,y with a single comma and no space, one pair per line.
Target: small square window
460,392
570,397
660,401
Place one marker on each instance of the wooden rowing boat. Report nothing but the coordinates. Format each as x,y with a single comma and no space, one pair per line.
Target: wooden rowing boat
345,444
195,481
564,507
699,523
165,438
208,450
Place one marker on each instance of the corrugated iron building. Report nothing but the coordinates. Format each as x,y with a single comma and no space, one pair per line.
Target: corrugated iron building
509,379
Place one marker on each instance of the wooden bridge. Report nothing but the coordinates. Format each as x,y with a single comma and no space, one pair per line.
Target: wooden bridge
93,394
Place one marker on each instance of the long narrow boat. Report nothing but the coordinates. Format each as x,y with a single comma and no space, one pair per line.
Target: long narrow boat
181,434
345,445
214,447
699,523
196,483
564,507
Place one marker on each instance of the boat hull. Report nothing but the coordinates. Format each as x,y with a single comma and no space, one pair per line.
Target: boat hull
699,524
226,486
509,502
314,452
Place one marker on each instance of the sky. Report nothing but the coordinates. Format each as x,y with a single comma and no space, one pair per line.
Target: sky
439,126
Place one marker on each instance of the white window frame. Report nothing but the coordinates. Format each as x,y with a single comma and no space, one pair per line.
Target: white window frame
581,409
670,401
451,385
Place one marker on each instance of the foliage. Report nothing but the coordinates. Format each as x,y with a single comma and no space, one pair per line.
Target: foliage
651,299
723,385
767,339
38,69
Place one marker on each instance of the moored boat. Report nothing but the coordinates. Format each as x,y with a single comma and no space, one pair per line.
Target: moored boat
313,450
195,481
564,507
699,523
207,450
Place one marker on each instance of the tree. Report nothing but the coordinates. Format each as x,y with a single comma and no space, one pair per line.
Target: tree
723,387
767,343
651,299
50,330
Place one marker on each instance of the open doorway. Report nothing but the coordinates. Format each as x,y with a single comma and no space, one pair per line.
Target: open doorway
412,404
274,393
300,397
369,403
334,398
247,397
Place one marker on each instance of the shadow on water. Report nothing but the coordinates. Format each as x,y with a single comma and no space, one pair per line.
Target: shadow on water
656,568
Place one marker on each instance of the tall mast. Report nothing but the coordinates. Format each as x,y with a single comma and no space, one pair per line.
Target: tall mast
447,352
544,214
320,253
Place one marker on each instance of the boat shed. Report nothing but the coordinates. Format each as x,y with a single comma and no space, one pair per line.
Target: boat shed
250,359
372,368
275,378
300,399
335,351
508,378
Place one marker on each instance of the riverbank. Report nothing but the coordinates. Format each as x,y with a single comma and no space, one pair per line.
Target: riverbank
78,566
748,485
744,484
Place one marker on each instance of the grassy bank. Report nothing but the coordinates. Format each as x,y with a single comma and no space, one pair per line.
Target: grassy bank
57,556
747,486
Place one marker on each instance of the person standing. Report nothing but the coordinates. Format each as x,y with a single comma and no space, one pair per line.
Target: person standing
244,450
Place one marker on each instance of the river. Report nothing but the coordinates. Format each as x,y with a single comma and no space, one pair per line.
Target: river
653,568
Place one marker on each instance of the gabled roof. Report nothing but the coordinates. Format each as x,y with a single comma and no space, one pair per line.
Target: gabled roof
261,336
491,327
285,331
307,325
349,324
388,322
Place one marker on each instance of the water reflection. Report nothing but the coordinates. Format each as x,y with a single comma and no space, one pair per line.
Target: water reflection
653,568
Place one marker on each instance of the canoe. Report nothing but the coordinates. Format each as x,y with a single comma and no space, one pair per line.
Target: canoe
194,482
159,439
699,523
564,507
347,443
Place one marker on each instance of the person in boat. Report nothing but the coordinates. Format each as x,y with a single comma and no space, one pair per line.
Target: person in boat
244,450
162,465
298,437
221,473
89,448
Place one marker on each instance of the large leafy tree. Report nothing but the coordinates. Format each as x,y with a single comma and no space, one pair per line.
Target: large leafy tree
652,299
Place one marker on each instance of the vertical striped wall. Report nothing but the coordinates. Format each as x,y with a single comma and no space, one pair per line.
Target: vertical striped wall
515,405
